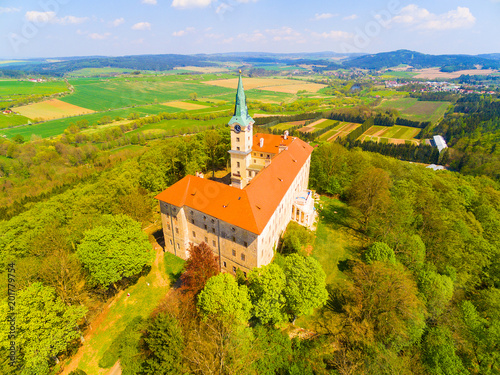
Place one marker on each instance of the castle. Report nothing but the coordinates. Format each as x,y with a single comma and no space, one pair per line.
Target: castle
242,222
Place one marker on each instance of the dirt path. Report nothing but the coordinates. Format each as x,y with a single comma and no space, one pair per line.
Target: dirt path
97,323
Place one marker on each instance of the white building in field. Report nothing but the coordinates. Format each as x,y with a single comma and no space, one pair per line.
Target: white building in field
242,222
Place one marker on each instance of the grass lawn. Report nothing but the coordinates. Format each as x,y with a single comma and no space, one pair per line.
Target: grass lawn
334,244
123,309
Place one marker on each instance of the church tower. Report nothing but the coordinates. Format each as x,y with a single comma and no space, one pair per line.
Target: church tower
241,139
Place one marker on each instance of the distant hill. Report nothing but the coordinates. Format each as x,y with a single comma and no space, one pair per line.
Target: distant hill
490,56
136,62
420,60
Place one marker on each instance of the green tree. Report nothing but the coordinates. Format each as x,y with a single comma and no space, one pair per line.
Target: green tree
222,297
305,287
114,250
163,345
379,251
18,138
439,354
193,96
437,291
296,238
212,142
45,327
266,285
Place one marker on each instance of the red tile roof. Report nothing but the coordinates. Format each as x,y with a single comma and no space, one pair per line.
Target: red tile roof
271,142
250,208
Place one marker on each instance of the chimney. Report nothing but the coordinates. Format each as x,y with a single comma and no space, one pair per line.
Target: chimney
261,142
285,136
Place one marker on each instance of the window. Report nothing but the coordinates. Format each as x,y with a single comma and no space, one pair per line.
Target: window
223,234
168,226
194,233
234,239
213,221
178,246
205,226
213,230
233,229
245,274
237,139
261,155
234,252
192,221
170,242
237,149
224,264
245,244
177,230
254,161
238,164
191,212
243,257
234,269
214,243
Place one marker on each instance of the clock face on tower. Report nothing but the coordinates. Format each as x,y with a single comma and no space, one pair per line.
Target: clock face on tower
237,128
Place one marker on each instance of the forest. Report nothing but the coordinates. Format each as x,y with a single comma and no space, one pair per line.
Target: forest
419,292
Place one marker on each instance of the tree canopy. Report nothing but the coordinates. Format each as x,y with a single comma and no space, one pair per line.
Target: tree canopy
115,250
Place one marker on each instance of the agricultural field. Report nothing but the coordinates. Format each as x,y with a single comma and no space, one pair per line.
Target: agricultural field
341,130
184,105
316,125
168,127
390,134
13,88
97,72
413,109
132,91
287,125
51,109
288,86
12,120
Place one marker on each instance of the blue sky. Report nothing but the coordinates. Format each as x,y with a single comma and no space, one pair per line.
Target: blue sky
56,28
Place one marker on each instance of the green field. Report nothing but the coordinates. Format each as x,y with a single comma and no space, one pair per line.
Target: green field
187,126
125,92
261,95
14,88
325,124
12,120
413,109
396,132
56,127
96,72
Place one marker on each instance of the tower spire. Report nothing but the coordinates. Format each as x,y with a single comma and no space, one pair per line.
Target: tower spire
241,115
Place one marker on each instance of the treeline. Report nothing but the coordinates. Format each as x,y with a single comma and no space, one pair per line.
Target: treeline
427,263
435,96
142,62
473,133
410,152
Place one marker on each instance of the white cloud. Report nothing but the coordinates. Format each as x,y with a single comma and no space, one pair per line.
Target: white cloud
117,22
149,2
421,18
186,31
71,20
285,34
40,17
50,17
191,3
9,10
186,4
97,36
334,35
323,16
142,26
254,37
350,18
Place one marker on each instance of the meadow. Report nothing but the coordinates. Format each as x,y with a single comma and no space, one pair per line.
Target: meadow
12,120
413,109
390,134
14,88
124,92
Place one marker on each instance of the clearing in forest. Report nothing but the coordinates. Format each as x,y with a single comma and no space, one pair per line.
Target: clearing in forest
51,109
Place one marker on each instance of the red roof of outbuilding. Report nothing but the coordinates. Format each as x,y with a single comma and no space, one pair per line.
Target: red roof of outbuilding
250,208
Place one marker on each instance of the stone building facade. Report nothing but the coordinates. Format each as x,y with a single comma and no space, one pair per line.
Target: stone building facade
243,222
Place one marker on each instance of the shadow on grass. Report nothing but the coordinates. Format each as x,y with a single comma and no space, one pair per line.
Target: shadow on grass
174,266
113,353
